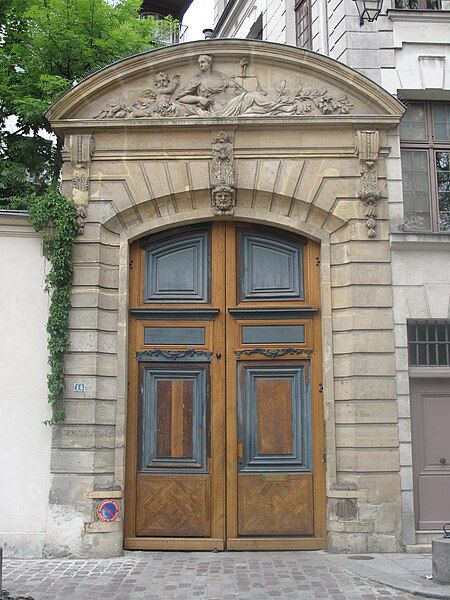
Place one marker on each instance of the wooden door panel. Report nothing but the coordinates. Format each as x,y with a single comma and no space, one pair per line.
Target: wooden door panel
173,505
258,326
177,270
434,496
270,268
275,504
430,412
274,416
173,420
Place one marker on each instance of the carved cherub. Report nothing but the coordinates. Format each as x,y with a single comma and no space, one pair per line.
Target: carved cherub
163,87
113,111
141,108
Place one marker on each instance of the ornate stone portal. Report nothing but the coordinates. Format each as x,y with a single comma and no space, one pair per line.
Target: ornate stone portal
255,132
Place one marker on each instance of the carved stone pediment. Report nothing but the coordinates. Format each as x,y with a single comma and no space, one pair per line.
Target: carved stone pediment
225,79
214,93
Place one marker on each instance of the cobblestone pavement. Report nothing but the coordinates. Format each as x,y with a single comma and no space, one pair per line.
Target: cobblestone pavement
221,576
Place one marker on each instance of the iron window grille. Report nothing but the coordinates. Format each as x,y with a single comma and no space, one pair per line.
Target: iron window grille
429,343
425,146
422,4
303,24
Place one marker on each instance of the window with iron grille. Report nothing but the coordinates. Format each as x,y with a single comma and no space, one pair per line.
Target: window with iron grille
429,343
423,4
425,144
303,23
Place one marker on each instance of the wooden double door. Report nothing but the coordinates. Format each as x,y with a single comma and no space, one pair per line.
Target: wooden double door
225,418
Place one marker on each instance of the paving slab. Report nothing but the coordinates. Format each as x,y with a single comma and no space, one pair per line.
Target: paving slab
406,572
210,576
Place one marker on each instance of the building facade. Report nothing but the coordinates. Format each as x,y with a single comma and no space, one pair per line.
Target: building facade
407,52
259,329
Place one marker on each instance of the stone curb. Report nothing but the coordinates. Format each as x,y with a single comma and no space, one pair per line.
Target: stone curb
414,585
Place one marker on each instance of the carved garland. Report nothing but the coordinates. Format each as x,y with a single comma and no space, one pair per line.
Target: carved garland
81,150
368,144
223,183
7,596
273,352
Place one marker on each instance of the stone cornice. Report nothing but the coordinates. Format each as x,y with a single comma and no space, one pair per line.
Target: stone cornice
428,16
322,121
177,56
15,223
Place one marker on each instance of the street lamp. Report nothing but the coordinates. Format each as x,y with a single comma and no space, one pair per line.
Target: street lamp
368,10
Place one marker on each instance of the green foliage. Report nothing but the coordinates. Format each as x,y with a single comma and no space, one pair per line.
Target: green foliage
56,217
45,47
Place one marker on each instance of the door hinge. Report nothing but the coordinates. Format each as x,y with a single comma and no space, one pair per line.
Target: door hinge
317,261
131,264
324,458
320,388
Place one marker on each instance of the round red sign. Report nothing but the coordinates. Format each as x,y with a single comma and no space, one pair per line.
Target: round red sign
108,510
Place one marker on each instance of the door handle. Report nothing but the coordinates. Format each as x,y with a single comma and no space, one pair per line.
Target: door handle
443,461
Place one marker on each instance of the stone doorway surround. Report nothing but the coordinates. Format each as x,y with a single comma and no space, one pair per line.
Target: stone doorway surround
292,139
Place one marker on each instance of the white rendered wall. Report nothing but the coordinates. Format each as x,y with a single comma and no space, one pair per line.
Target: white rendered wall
24,440
244,14
421,286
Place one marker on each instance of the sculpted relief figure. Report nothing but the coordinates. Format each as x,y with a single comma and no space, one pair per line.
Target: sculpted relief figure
211,93
205,95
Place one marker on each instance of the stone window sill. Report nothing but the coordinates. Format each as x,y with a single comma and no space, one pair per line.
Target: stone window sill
429,372
425,240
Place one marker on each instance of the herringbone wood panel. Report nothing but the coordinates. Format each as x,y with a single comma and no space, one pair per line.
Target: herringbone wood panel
173,505
275,507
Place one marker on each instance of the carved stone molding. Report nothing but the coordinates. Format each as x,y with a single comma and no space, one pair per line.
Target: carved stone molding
368,145
273,352
223,182
81,149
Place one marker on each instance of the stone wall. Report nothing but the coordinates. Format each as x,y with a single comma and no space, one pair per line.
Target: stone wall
363,460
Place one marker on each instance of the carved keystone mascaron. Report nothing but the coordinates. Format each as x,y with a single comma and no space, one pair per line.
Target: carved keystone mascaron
213,93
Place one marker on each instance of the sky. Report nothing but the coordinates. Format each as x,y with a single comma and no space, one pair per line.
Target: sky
199,16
